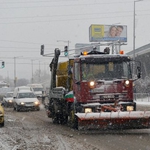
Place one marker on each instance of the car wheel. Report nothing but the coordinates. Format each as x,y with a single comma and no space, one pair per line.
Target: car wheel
2,124
17,109
38,109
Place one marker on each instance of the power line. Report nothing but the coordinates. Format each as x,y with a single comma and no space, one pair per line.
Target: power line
82,19
33,1
68,5
70,15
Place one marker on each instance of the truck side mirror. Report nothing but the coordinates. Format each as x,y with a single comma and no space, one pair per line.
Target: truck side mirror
138,72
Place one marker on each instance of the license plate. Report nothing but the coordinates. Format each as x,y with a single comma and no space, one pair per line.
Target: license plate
29,105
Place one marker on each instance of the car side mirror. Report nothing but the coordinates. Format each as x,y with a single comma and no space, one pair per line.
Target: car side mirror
2,103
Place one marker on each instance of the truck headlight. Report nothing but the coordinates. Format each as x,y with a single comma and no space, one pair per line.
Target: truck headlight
130,108
91,84
127,82
88,110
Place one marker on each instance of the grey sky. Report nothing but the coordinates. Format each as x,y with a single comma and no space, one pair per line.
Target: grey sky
26,24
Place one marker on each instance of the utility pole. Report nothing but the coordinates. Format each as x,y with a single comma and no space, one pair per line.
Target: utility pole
134,33
32,71
15,78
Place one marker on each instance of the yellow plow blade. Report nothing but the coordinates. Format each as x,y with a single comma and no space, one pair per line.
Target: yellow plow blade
114,120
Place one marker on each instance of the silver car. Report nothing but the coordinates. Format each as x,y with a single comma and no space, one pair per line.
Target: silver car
8,100
26,100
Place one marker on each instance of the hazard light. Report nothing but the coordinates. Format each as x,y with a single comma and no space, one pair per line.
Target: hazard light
85,53
121,52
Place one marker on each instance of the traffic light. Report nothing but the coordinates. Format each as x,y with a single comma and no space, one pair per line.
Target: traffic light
42,49
3,64
66,50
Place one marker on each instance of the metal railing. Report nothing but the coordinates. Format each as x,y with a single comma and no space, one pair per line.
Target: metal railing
142,97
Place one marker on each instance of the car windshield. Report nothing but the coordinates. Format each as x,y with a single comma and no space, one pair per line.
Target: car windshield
38,89
9,95
26,95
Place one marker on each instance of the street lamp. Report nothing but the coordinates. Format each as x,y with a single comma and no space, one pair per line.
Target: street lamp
15,78
32,70
134,29
32,80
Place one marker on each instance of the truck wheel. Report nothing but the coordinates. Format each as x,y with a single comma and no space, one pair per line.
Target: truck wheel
55,119
64,119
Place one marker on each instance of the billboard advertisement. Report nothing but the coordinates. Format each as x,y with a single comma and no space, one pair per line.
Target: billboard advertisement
107,33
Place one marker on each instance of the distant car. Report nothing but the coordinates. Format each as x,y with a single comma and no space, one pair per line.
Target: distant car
38,88
8,100
1,115
26,100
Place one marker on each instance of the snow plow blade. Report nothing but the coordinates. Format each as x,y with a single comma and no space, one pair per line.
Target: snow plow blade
114,120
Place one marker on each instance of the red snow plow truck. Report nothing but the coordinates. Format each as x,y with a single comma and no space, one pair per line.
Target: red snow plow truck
95,91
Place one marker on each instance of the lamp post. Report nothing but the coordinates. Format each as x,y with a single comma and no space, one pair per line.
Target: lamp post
134,28
134,34
32,79
15,78
39,72
32,70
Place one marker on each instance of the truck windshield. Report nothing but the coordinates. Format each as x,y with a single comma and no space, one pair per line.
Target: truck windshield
106,71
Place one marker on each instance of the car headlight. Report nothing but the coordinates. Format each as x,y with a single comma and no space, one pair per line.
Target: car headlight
22,103
10,101
36,103
88,110
130,108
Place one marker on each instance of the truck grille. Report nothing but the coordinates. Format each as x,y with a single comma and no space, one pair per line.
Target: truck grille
113,96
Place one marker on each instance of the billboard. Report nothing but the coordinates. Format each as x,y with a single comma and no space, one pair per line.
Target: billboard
107,33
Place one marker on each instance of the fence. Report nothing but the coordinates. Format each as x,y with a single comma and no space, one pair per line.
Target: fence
142,97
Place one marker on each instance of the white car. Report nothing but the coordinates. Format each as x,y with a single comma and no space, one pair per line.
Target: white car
8,100
26,100
38,88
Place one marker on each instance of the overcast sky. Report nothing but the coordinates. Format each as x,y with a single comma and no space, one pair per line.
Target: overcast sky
26,24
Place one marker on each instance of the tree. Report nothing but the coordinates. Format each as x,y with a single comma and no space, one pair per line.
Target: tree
22,82
41,77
